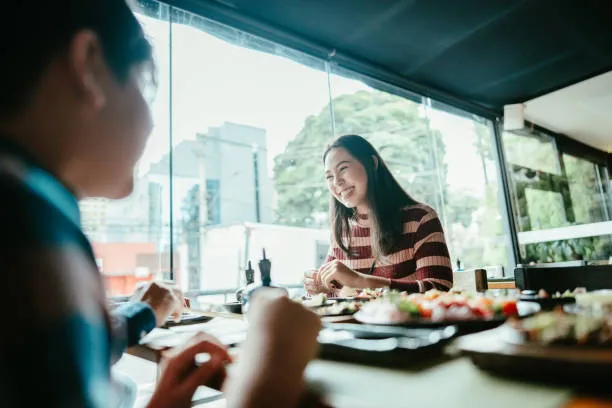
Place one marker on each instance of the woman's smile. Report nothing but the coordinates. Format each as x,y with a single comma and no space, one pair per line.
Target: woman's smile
346,193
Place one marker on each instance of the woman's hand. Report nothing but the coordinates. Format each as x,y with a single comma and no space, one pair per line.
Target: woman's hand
335,275
181,375
312,283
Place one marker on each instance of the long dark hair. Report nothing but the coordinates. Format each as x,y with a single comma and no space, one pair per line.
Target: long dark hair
385,197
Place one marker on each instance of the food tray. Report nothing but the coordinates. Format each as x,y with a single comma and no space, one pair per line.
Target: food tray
382,345
464,326
499,352
187,318
548,303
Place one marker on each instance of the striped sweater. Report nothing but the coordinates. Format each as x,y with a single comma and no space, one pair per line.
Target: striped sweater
422,261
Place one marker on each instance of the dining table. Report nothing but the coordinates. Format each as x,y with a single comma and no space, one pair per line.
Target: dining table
449,379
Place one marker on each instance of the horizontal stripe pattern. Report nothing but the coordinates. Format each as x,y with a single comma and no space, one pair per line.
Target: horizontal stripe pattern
422,261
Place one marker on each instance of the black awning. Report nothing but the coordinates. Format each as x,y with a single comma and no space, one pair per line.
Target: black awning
485,52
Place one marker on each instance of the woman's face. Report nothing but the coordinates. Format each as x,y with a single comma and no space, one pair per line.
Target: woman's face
346,177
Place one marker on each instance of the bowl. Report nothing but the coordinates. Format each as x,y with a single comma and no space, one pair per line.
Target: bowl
233,307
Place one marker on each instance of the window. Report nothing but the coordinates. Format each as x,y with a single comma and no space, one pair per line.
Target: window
533,150
587,190
250,119
561,202
471,195
441,158
234,163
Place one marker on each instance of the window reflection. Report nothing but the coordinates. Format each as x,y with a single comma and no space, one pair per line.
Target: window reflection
234,165
234,162
440,158
553,194
244,163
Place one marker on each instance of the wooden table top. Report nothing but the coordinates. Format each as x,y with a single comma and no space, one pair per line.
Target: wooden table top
454,383
447,382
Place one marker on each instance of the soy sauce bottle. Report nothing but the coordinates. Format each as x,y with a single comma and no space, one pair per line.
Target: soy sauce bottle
265,266
249,274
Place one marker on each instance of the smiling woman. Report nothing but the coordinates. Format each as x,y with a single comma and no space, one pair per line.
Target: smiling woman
381,236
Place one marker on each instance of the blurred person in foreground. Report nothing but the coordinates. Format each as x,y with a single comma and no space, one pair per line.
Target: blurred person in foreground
74,119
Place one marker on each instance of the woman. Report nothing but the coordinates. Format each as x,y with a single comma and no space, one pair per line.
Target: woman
381,236
74,121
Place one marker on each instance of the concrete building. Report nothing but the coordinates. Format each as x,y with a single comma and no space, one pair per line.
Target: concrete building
137,218
231,162
220,178
93,217
237,156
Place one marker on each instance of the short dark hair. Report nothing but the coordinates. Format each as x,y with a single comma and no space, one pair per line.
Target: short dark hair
34,32
385,196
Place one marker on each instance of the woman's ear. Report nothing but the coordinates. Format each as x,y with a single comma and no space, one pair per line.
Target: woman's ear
375,160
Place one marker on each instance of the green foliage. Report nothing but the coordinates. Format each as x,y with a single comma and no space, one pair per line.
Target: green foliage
550,193
591,248
583,190
547,195
394,125
415,153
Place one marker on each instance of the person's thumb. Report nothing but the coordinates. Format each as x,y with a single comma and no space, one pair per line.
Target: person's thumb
204,373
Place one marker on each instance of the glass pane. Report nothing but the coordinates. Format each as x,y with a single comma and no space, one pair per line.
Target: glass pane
249,120
586,190
545,208
533,150
536,182
473,200
586,249
551,199
131,237
440,158
398,128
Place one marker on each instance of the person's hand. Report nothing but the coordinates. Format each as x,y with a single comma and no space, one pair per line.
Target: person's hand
164,301
281,340
181,375
279,320
312,283
335,275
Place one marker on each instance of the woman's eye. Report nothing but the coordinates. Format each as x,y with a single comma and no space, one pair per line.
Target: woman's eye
343,168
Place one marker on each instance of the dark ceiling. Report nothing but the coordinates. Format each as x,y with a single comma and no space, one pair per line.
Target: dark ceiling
486,52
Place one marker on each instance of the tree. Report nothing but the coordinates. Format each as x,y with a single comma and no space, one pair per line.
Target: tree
395,126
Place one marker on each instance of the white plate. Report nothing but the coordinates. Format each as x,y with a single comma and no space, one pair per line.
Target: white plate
524,309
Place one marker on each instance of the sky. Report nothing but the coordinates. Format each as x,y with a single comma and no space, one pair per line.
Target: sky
215,81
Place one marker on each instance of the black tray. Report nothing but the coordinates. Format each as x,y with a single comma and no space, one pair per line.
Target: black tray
382,345
187,319
568,365
233,307
548,303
